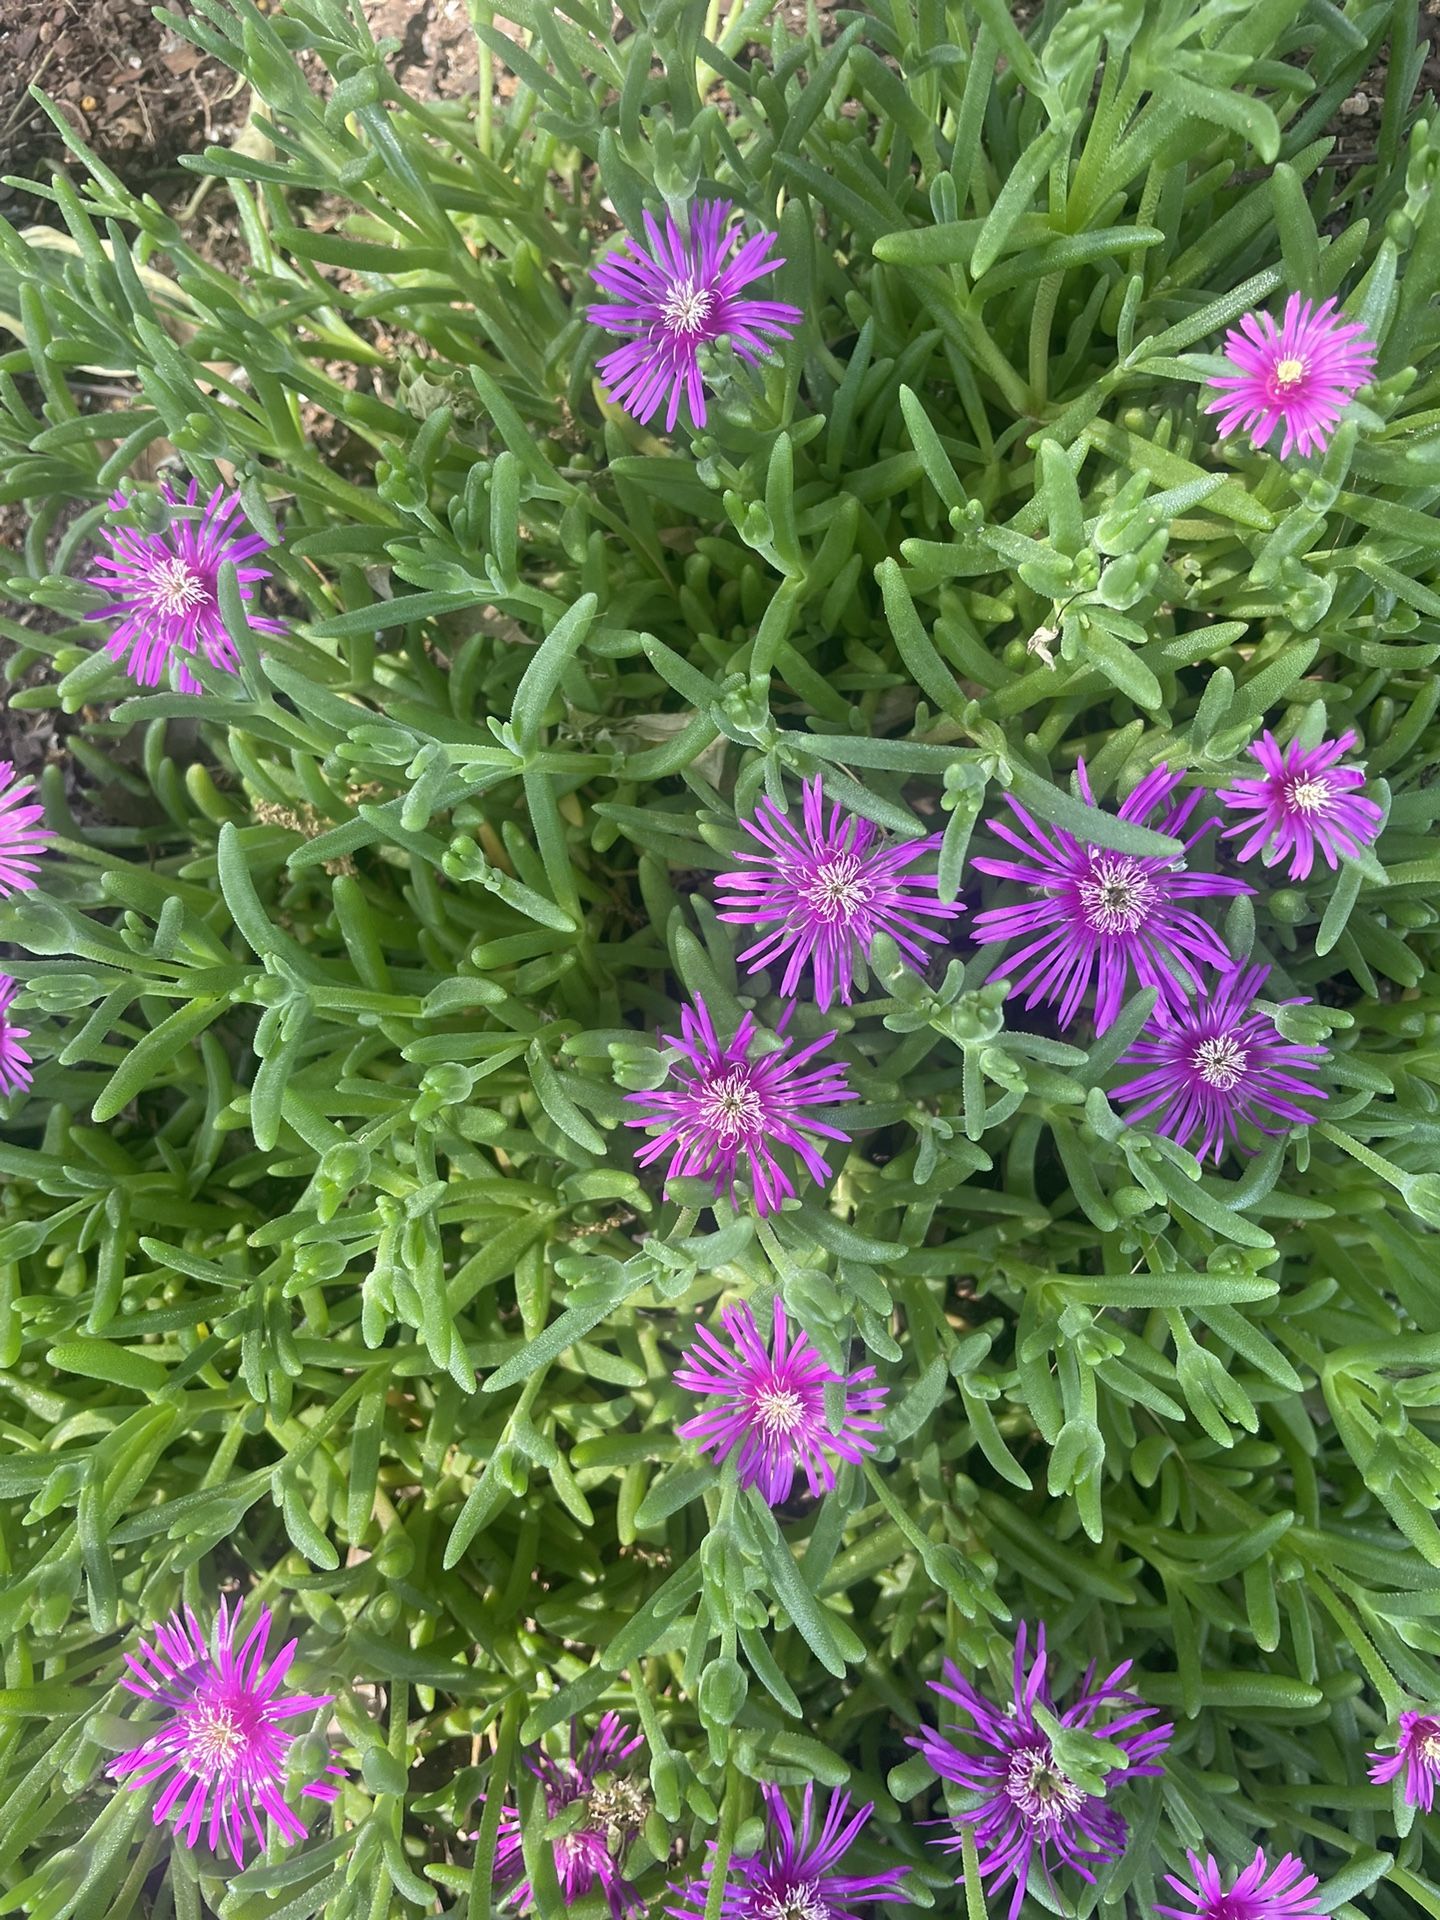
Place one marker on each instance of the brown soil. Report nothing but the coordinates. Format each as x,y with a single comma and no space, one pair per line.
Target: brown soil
437,57
131,88
1357,125
140,95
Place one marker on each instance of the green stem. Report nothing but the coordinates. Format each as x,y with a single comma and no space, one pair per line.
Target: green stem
1042,316
481,12
684,1225
725,1845
988,357
1393,1176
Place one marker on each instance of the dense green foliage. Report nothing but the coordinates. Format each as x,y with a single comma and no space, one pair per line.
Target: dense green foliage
324,1267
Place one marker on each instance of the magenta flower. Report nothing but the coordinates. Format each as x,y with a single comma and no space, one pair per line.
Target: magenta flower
797,1874
1217,1061
772,1408
1028,1810
1102,915
1305,801
731,1106
826,891
14,1060
677,298
615,1809
21,838
224,1741
1303,373
1259,1892
166,587
1417,1756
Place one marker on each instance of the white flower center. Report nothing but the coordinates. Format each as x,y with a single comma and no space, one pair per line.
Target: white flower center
1289,374
799,1902
1428,1747
1221,1063
1039,1789
620,1803
837,889
175,587
731,1106
1118,895
686,307
1308,796
779,1410
216,1738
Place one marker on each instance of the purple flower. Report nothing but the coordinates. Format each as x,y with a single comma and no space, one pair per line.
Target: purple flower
20,838
1417,1756
167,586
14,1060
677,298
1304,372
731,1105
1103,915
1029,1809
223,1742
1305,801
825,892
772,1411
1259,1892
615,1809
795,1876
1217,1061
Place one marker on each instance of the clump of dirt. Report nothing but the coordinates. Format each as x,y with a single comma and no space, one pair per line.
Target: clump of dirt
135,91
437,57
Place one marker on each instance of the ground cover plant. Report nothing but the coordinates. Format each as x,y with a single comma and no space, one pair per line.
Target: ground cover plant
720,1130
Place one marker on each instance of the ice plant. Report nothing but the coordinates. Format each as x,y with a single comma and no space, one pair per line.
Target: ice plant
1302,373
675,299
1028,1811
1216,1062
771,1413
824,889
798,1874
166,587
14,1060
224,1741
1100,915
725,1107
588,1855
1416,1756
1258,1892
1304,801
21,838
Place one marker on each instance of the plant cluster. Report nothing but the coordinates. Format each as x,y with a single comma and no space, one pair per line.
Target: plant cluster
730,1072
